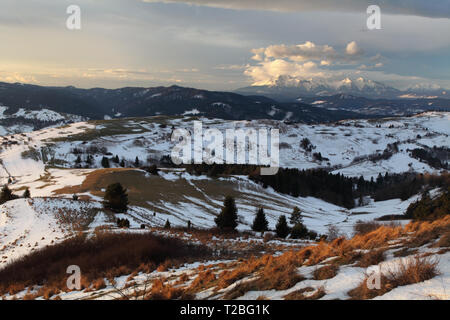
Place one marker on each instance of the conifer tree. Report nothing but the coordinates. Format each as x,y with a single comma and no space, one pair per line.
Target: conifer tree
6,194
227,219
26,193
282,228
296,216
260,223
105,162
116,198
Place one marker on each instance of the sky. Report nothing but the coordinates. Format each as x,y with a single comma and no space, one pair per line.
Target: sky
223,44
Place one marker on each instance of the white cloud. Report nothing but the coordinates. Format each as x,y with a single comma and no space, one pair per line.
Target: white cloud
301,61
270,70
353,49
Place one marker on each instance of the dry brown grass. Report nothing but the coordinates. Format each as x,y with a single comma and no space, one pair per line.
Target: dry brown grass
373,257
204,280
404,252
409,271
363,227
300,294
227,277
275,275
109,256
271,272
163,291
325,272
99,284
444,241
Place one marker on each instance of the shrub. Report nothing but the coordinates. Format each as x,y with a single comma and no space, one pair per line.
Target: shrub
299,231
325,272
105,255
362,227
123,223
153,169
333,233
373,257
300,294
409,271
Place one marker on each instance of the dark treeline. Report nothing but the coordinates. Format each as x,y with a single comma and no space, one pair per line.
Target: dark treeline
333,188
399,186
432,156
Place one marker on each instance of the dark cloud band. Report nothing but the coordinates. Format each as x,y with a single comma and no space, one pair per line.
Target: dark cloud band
433,9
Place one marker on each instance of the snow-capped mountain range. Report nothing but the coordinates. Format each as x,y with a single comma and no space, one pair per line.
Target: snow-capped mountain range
287,88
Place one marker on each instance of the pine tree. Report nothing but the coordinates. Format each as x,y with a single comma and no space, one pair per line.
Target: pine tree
105,162
116,198
260,223
282,228
78,160
122,163
296,216
116,159
136,162
167,225
227,219
26,193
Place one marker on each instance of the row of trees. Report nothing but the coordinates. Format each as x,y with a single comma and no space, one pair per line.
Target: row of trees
334,188
228,220
106,162
7,195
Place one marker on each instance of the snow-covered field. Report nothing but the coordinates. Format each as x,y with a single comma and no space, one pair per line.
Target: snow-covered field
344,146
44,160
24,120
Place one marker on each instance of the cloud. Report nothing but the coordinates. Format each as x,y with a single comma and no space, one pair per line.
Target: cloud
307,61
434,9
353,49
301,52
17,77
266,72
